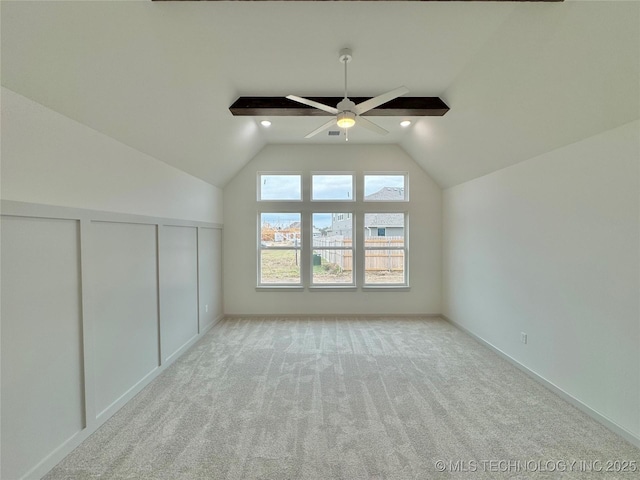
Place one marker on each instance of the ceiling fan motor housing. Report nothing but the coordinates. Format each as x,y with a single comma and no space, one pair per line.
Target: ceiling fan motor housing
346,105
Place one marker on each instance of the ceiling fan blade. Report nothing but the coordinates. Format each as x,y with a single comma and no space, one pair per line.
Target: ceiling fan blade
324,127
369,125
311,103
379,100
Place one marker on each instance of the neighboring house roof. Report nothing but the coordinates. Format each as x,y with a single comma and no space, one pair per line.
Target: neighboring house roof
387,193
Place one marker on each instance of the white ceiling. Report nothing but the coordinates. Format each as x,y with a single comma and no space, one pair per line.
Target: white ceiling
520,79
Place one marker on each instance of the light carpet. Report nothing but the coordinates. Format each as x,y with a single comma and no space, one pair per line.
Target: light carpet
345,398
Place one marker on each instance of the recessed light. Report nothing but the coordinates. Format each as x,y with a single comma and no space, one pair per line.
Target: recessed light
405,123
265,123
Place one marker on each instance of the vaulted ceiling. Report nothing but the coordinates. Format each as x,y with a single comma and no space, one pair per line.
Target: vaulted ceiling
520,79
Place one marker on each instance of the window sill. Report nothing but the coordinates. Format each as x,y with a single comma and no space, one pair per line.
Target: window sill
333,288
279,288
390,288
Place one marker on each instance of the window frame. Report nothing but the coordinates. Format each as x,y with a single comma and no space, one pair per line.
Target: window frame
355,209
404,248
261,247
336,173
259,175
380,174
352,249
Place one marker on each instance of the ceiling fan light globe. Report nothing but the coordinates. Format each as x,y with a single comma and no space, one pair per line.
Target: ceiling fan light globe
346,120
346,123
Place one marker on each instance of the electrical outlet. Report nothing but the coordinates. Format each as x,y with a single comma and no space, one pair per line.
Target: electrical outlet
523,337
206,308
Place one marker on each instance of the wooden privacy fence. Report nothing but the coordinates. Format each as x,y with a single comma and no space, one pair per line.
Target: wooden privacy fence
377,257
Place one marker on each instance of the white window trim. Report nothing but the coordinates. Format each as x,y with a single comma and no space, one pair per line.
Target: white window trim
358,207
344,173
338,285
395,174
283,173
404,249
261,248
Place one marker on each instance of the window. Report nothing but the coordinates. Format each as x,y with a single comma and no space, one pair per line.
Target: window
385,188
385,249
332,260
332,187
280,249
351,238
279,187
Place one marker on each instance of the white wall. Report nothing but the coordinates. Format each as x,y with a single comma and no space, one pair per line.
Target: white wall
240,236
550,247
50,159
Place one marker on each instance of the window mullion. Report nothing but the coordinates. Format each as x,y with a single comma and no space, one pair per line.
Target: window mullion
358,244
306,257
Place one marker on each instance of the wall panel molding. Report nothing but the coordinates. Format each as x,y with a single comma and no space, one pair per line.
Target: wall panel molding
117,306
42,368
124,277
178,254
210,291
27,209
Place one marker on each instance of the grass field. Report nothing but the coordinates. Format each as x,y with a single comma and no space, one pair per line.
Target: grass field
331,273
280,266
283,266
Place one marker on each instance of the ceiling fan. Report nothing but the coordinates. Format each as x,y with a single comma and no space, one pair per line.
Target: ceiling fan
347,113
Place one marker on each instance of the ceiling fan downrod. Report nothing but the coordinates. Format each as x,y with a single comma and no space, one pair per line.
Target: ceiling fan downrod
345,57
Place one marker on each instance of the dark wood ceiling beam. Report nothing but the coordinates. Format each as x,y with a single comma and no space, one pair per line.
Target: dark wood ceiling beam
283,107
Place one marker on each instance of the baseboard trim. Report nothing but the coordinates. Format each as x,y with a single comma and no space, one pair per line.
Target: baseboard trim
180,350
598,417
208,326
51,460
119,402
332,315
188,344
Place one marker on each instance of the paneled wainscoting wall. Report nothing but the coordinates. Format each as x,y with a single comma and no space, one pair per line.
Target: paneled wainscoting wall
94,306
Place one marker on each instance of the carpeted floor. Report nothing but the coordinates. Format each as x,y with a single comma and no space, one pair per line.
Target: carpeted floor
345,398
